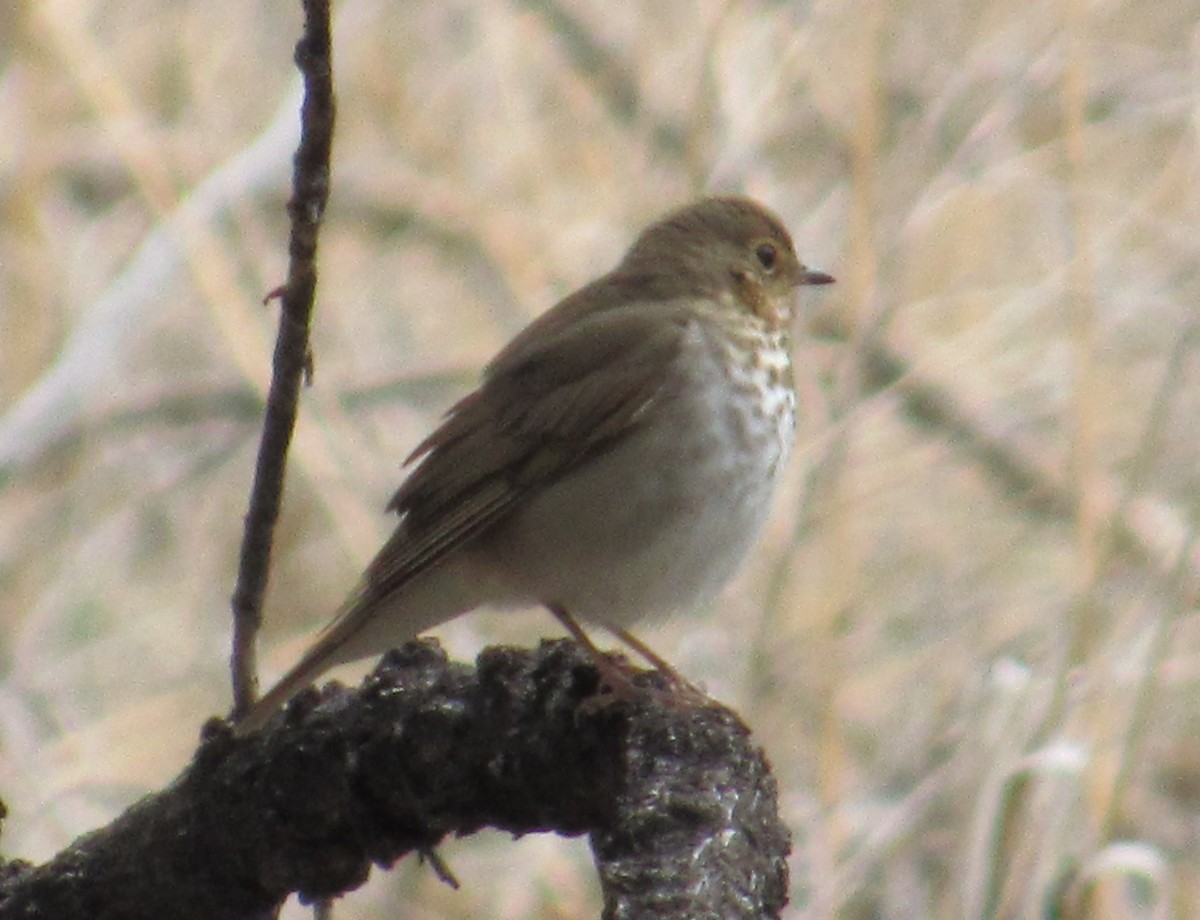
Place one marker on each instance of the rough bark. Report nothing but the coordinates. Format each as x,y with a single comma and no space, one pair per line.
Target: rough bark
679,805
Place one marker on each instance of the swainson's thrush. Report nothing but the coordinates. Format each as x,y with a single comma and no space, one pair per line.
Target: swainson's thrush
618,458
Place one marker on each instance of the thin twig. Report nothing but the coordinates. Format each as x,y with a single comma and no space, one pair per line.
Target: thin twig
292,361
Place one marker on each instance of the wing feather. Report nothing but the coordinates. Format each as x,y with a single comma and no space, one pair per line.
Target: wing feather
543,409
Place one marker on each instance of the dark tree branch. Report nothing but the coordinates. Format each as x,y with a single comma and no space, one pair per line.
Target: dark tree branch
293,361
680,807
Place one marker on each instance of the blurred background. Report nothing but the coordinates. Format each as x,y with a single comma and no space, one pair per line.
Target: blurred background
968,640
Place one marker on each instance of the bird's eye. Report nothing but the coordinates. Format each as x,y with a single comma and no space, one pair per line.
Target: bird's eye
767,255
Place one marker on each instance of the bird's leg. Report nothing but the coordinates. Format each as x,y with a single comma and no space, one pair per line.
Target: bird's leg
679,689
616,680
661,665
675,680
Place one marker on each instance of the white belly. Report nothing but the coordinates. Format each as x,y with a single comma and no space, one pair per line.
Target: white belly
664,519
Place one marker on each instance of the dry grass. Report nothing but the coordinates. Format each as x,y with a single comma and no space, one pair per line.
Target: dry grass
979,692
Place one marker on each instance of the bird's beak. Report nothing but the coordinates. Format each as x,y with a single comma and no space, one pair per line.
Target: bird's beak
820,324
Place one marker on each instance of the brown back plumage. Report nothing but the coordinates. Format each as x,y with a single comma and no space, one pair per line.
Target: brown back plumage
570,384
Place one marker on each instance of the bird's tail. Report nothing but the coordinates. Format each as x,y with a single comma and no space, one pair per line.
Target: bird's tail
320,657
370,623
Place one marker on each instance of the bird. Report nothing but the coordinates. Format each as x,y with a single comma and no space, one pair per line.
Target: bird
617,460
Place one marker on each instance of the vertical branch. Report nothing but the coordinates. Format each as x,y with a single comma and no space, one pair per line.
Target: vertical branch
292,360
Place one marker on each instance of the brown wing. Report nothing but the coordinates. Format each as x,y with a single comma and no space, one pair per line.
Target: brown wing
548,404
